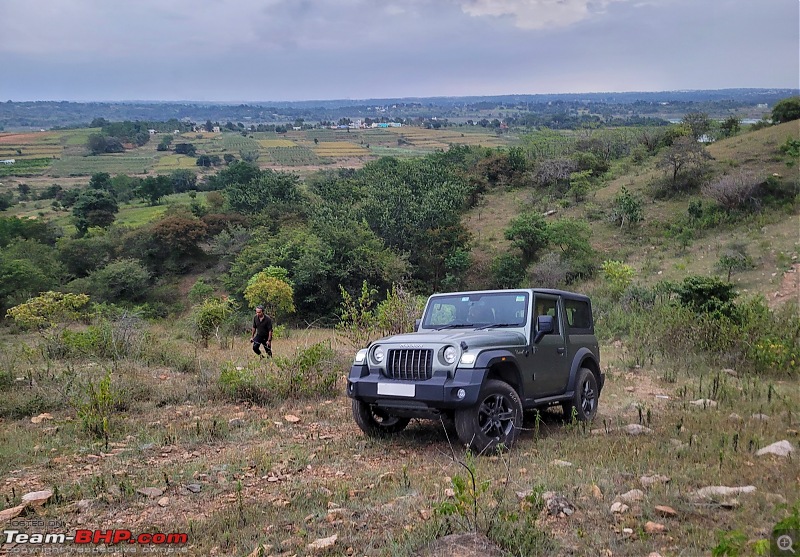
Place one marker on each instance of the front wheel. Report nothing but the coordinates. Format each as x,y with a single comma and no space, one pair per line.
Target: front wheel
375,422
584,403
494,421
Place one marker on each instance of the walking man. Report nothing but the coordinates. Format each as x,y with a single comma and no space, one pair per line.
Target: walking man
262,332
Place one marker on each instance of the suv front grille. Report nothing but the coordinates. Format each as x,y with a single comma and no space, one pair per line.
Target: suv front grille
410,365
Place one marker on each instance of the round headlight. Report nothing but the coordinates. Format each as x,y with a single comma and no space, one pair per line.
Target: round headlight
450,354
378,354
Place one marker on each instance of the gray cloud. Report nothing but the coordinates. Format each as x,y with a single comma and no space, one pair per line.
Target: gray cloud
314,49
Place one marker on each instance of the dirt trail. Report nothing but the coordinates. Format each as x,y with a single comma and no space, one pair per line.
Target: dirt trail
789,289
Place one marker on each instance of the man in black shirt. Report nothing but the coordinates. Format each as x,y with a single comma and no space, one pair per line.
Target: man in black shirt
262,332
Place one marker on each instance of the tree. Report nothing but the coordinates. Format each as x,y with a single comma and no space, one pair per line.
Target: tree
275,294
579,184
211,315
124,279
698,123
529,233
685,161
730,126
183,180
153,188
627,208
20,278
508,271
185,149
94,208
101,181
268,188
786,110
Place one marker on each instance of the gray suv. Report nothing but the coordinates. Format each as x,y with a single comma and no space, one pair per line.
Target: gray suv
478,360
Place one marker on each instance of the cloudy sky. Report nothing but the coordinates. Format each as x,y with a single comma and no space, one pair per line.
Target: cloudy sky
277,50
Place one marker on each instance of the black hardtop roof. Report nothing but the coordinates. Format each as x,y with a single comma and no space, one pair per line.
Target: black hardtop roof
551,291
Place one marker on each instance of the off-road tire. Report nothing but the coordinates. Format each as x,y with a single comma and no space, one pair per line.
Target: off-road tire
586,397
374,422
494,421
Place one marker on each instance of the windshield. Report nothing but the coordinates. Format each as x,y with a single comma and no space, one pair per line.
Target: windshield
484,310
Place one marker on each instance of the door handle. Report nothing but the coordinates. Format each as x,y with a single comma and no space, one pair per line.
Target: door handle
562,351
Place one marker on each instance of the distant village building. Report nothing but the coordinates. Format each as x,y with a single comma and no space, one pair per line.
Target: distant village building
8,161
215,129
152,132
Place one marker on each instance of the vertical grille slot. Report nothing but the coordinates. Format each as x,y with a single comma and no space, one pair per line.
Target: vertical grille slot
410,364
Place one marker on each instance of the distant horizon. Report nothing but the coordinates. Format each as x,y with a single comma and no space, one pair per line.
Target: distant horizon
403,98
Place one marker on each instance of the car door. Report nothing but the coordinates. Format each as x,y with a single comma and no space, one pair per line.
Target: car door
550,359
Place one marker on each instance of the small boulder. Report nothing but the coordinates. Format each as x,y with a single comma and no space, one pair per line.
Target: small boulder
704,403
655,479
781,448
322,544
150,492
654,528
632,496
636,429
37,498
665,510
715,491
619,507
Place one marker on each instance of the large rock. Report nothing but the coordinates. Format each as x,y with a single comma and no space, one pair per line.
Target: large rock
322,544
632,496
715,491
781,448
37,498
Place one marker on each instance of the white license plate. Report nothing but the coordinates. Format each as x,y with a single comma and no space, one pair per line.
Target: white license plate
397,389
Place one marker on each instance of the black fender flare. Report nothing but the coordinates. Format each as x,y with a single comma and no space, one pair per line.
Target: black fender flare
490,358
581,356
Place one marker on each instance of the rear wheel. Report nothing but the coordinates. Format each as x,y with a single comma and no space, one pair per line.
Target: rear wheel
494,421
375,422
584,403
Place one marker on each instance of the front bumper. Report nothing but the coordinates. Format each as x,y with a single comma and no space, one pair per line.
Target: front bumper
440,392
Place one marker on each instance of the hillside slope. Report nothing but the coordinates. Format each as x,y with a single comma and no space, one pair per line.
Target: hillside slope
771,238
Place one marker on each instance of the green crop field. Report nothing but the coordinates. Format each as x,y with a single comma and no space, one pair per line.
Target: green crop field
236,142
25,167
113,164
292,156
169,163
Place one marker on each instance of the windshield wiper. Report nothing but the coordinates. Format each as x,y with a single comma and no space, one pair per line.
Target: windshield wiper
453,326
497,325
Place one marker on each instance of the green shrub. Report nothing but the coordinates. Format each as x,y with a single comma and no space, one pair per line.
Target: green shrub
310,373
96,407
617,276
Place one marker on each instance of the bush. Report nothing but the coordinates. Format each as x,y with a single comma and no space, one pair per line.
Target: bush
734,190
311,373
617,277
124,279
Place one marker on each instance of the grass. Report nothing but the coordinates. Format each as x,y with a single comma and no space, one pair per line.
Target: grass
289,472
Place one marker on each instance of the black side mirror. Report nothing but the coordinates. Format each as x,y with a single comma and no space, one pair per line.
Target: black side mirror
544,326
417,323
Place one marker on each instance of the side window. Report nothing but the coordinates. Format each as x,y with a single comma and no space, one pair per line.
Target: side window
579,315
548,306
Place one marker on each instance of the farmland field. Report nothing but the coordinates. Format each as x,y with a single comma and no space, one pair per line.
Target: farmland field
268,143
174,162
340,149
113,164
292,156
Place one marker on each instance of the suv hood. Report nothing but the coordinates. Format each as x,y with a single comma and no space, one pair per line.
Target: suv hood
473,339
